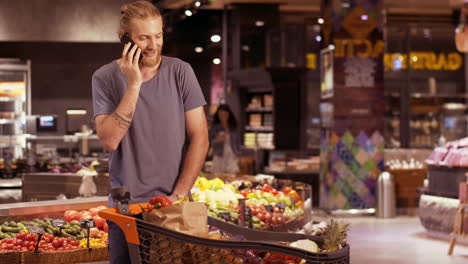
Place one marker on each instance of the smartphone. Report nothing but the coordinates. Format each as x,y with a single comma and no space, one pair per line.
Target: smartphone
125,39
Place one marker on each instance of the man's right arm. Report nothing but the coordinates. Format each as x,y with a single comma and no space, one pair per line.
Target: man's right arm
112,128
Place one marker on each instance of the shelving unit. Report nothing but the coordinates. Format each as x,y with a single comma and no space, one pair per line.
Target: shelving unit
15,104
259,125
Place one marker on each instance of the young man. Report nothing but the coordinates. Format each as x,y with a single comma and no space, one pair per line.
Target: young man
144,109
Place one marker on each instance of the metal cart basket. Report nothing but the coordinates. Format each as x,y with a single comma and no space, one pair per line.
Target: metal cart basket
149,243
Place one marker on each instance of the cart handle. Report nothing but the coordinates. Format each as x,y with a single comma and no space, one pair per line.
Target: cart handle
126,223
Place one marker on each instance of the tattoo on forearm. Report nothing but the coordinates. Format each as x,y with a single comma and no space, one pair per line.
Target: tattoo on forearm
129,115
125,124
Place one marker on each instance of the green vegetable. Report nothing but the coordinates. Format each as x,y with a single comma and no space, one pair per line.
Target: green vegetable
22,226
11,229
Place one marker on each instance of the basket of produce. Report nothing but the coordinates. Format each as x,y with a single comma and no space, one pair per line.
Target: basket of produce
266,207
224,243
49,240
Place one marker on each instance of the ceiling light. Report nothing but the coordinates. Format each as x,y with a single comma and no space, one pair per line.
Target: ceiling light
216,61
259,23
188,12
318,38
245,48
331,47
198,49
197,4
76,112
364,17
320,21
216,38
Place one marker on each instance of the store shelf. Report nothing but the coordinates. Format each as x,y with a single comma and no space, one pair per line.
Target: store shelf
429,96
258,148
30,208
4,121
259,129
259,110
11,183
10,99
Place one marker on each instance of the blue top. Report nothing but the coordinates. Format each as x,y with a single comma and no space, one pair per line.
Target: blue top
149,157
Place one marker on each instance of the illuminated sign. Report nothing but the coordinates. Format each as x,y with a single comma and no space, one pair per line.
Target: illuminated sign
432,61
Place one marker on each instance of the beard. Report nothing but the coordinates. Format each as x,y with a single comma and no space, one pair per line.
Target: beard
152,61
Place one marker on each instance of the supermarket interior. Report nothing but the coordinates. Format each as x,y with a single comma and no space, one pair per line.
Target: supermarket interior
234,131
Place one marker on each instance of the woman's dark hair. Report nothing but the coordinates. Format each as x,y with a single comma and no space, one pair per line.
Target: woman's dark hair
231,120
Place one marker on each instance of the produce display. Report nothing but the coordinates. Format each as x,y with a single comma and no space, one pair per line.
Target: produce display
54,234
266,207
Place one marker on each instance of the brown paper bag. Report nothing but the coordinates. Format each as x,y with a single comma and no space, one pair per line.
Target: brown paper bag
189,218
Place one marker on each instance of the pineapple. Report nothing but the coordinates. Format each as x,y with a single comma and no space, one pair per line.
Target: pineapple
335,236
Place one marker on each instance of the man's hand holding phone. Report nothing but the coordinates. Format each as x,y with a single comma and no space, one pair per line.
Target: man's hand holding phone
129,64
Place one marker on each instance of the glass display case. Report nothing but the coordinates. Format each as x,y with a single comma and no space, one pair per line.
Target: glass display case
15,104
424,81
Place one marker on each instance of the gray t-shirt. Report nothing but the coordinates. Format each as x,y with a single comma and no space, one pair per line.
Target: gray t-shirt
149,157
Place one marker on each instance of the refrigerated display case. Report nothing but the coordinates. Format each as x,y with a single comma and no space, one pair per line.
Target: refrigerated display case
15,104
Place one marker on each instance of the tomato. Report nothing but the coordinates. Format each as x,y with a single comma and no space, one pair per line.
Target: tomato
274,258
56,244
94,232
105,227
268,188
85,215
31,248
99,221
286,190
94,211
70,215
163,201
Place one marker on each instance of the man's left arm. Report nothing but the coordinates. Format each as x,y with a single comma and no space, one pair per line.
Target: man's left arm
197,131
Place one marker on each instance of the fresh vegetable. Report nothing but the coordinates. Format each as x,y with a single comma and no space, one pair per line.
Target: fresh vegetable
160,201
27,242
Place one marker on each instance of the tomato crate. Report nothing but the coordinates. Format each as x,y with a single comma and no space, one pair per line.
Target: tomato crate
149,243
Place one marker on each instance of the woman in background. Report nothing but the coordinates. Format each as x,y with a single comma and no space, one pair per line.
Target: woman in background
225,141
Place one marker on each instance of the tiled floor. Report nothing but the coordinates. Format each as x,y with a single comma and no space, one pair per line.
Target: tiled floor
400,240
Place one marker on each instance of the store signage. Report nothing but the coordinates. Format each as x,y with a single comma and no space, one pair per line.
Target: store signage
350,47
452,61
359,72
311,61
358,23
35,229
58,222
87,223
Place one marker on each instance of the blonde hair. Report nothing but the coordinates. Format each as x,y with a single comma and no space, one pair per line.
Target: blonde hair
137,9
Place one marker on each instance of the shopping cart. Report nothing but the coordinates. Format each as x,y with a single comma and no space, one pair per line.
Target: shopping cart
149,243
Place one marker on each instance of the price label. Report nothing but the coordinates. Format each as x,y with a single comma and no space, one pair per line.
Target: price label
36,229
87,223
58,222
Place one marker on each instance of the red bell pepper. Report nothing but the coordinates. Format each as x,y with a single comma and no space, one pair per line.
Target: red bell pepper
160,201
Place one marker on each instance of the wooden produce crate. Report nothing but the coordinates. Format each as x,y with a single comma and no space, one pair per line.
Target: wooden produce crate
406,183
71,256
10,257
